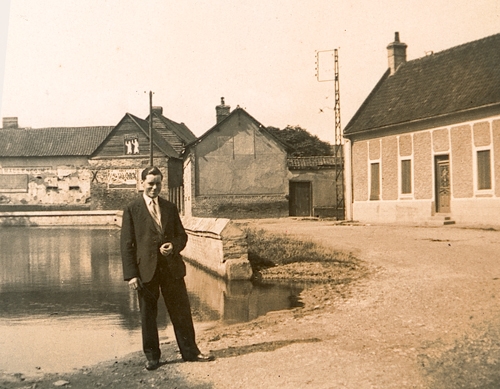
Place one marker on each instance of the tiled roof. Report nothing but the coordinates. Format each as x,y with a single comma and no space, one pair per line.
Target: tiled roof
307,163
176,134
53,142
459,79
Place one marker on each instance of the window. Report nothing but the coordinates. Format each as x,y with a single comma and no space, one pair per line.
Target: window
406,176
375,181
483,169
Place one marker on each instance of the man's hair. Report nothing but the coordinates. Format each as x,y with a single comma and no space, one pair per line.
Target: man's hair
151,170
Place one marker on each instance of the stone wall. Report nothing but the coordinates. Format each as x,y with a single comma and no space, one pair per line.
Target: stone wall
240,207
218,246
115,182
61,218
42,187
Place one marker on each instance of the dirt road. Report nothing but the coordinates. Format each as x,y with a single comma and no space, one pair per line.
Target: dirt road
426,317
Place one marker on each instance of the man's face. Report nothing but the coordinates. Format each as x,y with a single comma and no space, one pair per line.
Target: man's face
152,185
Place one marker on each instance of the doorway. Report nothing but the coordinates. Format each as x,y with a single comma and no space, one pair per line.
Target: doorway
300,203
443,190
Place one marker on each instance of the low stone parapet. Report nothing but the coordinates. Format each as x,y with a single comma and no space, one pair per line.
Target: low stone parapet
61,218
218,246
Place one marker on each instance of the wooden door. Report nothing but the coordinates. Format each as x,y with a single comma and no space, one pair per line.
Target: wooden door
443,190
300,198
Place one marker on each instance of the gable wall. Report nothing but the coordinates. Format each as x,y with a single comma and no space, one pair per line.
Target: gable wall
237,171
114,146
238,159
461,142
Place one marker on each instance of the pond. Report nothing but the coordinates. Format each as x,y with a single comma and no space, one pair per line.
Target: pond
64,304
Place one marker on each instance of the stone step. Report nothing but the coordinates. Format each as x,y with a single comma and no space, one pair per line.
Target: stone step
441,220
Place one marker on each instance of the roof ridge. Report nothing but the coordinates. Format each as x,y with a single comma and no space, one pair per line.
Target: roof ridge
459,47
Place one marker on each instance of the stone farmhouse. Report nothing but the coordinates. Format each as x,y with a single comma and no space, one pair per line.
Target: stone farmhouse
87,167
425,144
236,169
46,168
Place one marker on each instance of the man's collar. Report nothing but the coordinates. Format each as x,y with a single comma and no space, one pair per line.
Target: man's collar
148,199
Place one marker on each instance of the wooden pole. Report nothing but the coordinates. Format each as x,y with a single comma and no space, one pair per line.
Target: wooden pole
150,128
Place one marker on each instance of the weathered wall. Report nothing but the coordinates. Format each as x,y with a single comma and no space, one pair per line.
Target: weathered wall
323,188
219,246
115,182
61,218
44,183
240,207
237,171
238,159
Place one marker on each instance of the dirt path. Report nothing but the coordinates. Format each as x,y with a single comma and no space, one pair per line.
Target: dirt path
426,317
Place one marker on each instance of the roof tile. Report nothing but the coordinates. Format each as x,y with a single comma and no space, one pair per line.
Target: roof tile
53,141
458,79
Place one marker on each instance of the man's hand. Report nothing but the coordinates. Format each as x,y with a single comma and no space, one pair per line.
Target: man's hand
135,283
166,249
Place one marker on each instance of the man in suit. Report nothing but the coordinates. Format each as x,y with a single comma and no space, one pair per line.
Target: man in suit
152,237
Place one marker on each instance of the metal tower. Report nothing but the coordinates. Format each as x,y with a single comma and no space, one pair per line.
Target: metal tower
339,142
324,73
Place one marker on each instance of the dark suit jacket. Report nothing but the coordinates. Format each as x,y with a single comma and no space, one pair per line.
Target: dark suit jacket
140,240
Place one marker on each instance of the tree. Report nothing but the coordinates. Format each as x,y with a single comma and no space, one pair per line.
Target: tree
300,142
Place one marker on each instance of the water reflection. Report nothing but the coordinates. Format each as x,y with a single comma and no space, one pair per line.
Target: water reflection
70,279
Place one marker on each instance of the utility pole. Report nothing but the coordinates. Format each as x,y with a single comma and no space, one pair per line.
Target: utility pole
324,70
339,142
150,128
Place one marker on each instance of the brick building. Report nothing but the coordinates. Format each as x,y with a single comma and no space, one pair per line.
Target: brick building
425,144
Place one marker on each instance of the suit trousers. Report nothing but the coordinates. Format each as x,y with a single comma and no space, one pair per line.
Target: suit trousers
176,299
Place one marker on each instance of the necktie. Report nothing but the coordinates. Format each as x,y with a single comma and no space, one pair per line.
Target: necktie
154,212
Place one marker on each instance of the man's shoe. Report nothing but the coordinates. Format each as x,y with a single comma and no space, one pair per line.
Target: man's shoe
202,358
153,364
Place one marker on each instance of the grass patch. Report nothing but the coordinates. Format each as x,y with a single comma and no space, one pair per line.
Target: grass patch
276,256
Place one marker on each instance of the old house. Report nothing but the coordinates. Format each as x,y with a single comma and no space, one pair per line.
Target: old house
117,163
312,186
46,168
236,169
425,144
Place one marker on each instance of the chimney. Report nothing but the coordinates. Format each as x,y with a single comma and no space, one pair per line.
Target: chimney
10,122
396,52
158,110
222,110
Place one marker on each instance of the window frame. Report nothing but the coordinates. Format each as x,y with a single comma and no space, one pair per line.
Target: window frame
477,173
371,196
409,179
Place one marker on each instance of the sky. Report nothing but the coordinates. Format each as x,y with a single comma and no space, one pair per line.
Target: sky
88,62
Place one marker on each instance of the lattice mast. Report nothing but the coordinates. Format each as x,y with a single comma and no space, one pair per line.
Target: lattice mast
339,142
327,69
